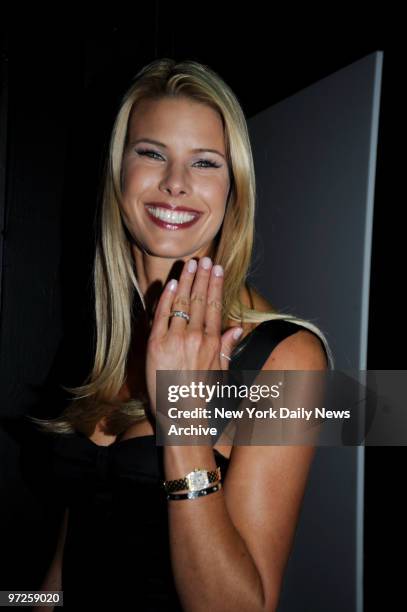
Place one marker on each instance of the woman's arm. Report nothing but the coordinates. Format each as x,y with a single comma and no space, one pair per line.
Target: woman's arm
53,578
229,550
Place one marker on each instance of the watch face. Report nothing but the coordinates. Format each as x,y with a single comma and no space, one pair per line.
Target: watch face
198,480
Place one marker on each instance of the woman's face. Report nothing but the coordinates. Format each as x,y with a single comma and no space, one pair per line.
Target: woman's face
169,171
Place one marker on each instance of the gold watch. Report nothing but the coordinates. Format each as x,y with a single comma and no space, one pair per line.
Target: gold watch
198,479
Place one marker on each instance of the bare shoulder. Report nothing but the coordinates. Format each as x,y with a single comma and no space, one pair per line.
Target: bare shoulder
303,350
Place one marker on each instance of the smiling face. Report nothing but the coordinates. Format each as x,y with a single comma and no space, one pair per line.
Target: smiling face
174,173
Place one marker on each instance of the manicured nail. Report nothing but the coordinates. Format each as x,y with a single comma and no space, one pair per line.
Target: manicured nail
172,285
192,265
206,262
237,333
217,270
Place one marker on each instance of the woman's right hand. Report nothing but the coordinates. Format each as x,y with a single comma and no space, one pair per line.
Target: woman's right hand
196,344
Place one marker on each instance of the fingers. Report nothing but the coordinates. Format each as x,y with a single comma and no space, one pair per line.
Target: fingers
182,298
214,302
199,295
229,342
161,316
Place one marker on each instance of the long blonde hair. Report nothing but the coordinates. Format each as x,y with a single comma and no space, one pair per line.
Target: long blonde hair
115,280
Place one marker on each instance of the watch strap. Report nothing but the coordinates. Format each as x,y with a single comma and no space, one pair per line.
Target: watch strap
187,482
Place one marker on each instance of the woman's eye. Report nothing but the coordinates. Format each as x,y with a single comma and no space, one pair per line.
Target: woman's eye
207,161
210,163
147,151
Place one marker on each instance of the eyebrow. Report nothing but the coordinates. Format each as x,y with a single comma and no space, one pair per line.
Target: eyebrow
161,144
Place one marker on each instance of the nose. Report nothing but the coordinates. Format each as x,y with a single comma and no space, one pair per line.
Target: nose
175,180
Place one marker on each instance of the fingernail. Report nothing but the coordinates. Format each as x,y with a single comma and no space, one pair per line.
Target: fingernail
192,265
217,270
206,262
172,285
237,333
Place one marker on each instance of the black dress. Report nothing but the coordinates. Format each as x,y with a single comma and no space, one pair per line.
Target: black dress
116,553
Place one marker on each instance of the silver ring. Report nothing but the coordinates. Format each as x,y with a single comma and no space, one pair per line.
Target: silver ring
226,356
180,313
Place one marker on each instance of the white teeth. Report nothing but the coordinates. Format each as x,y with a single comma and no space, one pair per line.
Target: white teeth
170,216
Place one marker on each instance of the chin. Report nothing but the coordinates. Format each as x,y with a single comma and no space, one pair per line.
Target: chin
171,250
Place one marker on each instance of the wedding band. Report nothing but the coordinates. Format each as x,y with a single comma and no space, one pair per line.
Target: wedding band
226,356
180,313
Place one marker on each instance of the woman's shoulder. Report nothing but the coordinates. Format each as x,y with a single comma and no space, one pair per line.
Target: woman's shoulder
287,339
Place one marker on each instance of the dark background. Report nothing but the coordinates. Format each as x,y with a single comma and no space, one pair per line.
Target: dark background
60,88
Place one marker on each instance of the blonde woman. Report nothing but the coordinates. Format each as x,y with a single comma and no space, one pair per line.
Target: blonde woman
173,251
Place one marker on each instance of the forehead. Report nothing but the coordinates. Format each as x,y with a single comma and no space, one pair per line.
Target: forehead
177,121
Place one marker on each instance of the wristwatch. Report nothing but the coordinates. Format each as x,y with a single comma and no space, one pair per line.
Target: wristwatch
198,479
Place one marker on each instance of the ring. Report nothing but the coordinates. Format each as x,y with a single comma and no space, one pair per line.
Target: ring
226,356
180,313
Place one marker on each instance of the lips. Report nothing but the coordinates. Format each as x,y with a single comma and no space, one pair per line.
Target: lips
174,208
172,223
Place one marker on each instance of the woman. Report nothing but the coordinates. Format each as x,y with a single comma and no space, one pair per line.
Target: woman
178,205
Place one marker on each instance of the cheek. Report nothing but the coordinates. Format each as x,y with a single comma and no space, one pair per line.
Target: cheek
135,180
214,189
137,175
216,196
132,190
